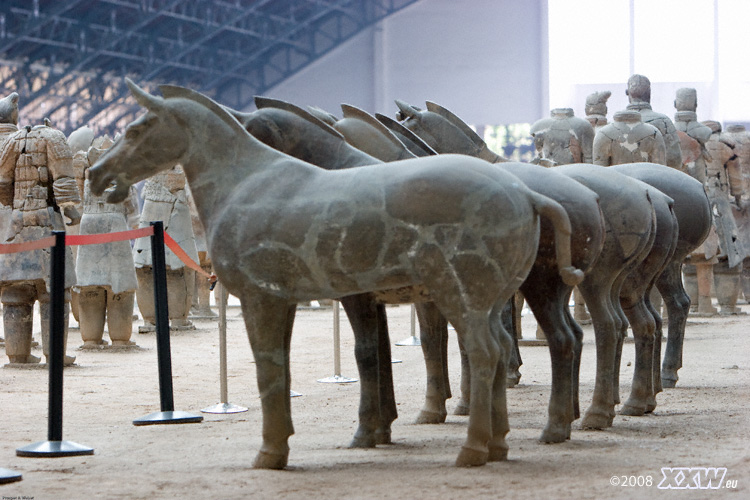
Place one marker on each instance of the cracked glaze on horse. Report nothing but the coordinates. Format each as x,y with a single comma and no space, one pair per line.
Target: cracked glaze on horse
282,231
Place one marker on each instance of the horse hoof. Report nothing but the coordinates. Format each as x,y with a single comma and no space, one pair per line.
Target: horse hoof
431,417
668,383
595,421
498,454
462,409
633,410
265,460
471,458
363,442
650,407
383,436
551,435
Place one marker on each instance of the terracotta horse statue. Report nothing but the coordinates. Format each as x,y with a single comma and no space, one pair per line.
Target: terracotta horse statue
630,210
280,231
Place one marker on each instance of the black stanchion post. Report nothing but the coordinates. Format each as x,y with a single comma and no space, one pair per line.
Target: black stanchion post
55,446
167,415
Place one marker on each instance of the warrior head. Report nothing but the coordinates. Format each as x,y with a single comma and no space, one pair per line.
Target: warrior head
686,100
639,89
9,109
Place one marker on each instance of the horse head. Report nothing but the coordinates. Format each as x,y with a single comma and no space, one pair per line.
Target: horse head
365,132
155,141
444,131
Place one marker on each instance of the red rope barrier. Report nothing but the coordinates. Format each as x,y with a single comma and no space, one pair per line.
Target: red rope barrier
27,245
95,239
184,257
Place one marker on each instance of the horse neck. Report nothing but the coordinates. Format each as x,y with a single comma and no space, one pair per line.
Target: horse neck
310,143
218,162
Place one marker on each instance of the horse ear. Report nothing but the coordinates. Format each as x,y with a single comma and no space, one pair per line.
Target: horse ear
407,110
148,101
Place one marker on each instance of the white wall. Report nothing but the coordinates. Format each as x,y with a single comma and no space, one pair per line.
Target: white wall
486,60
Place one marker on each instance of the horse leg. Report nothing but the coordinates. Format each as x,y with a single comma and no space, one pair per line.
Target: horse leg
577,332
484,357
656,355
465,400
597,299
677,300
548,310
621,322
269,322
466,313
361,310
388,411
498,447
642,389
433,335
511,324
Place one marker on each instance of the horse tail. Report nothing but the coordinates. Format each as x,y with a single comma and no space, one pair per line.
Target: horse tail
556,214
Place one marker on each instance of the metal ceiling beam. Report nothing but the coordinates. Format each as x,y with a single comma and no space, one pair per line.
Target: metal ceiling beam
67,58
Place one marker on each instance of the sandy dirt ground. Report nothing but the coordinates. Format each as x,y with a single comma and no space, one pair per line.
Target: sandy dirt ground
704,422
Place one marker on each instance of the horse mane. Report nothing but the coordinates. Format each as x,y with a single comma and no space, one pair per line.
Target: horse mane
455,120
350,111
175,91
269,102
399,128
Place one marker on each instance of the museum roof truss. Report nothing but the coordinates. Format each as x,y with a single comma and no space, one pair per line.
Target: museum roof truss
68,58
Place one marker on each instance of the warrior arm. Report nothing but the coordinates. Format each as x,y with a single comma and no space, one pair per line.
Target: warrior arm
7,170
734,176
60,165
587,141
659,153
602,150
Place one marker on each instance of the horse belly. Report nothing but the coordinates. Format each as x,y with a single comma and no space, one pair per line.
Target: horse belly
403,295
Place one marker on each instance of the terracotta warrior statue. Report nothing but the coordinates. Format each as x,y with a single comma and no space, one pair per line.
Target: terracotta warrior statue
639,94
686,120
741,210
37,179
628,140
80,141
596,109
724,188
8,126
106,274
562,138
165,199
698,269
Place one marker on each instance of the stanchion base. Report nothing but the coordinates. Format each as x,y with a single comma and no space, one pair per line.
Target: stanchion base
394,361
413,340
294,394
54,449
337,379
224,408
9,476
168,417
